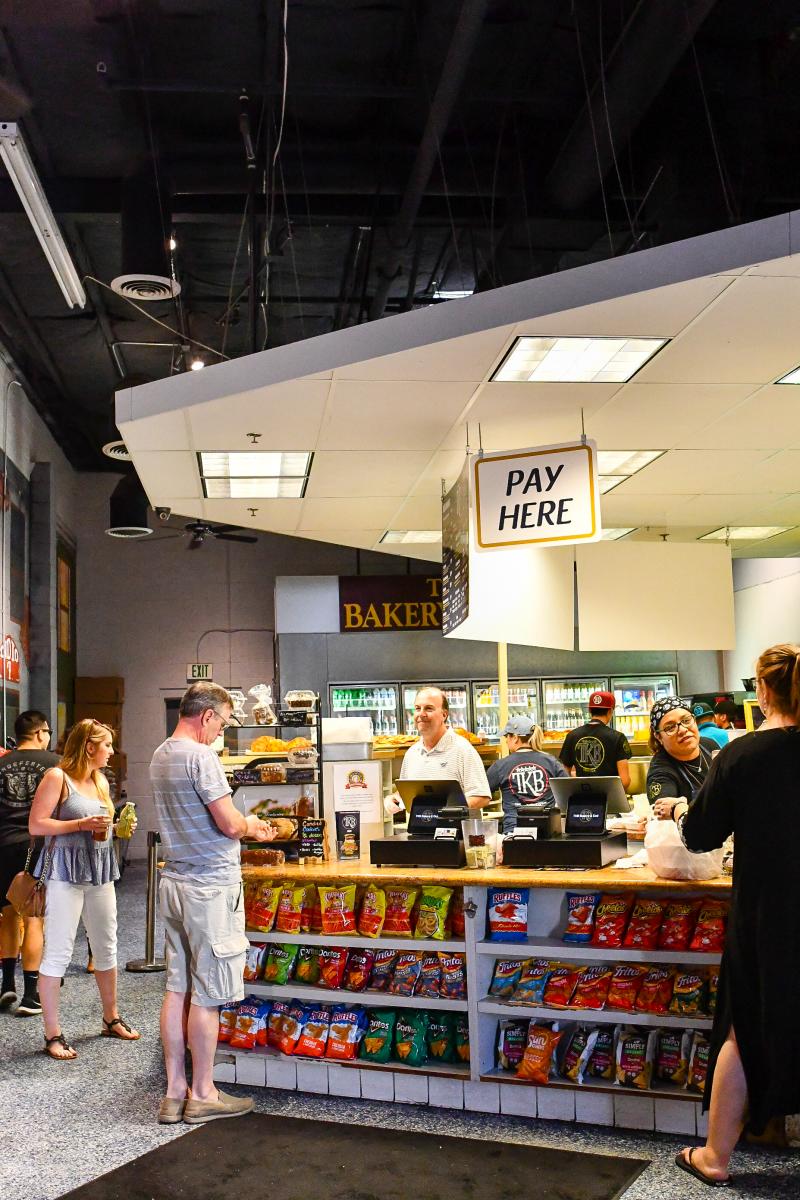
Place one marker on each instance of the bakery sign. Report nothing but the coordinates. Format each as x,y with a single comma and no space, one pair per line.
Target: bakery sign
543,496
381,603
10,656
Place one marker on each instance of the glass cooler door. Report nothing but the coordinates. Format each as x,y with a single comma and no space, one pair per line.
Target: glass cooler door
635,695
457,698
378,701
566,701
523,700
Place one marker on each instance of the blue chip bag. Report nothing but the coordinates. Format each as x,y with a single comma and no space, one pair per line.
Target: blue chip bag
581,912
507,914
533,981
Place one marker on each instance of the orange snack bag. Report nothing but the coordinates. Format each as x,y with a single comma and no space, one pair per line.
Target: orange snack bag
645,924
400,903
625,985
611,920
655,993
290,908
561,984
261,905
709,933
338,906
592,987
679,922
373,912
537,1061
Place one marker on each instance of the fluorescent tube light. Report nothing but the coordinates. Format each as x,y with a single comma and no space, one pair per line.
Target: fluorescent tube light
259,487
792,377
744,533
406,536
625,462
262,463
613,535
576,359
450,295
22,172
607,482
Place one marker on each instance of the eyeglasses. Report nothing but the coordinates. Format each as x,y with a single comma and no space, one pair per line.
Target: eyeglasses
46,730
674,726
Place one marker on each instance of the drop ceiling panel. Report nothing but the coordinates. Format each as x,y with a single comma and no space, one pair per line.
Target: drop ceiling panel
694,472
166,431
622,511
662,415
281,516
170,471
360,539
420,512
365,472
288,417
445,464
752,509
391,416
346,514
769,420
778,266
457,359
513,415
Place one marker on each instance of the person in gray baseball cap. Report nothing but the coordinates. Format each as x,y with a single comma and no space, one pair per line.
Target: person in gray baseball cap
524,776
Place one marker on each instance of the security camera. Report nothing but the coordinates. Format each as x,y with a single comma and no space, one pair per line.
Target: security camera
163,514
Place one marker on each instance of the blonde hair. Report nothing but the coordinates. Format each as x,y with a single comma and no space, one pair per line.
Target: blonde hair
536,738
77,762
779,668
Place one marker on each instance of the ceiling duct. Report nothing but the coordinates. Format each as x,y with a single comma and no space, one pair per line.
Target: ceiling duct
146,274
127,509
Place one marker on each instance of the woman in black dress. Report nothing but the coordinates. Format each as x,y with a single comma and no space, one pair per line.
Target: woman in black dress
752,792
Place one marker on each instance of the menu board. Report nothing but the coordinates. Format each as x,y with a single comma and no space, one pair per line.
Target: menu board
312,838
455,552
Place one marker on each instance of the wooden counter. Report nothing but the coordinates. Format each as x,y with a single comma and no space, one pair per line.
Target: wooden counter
636,879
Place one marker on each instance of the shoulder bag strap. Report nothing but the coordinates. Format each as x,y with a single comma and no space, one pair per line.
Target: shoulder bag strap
48,853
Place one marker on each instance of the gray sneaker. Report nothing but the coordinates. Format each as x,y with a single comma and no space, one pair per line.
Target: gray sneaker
197,1111
8,999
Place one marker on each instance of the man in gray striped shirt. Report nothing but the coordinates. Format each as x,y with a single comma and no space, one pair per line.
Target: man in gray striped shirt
201,900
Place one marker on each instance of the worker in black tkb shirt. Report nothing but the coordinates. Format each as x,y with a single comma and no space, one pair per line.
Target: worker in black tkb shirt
595,748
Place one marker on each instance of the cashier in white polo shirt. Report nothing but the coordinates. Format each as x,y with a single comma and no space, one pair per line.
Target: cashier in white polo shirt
442,754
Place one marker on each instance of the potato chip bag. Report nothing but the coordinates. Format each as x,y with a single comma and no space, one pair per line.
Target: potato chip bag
506,976
511,1039
400,903
626,983
314,1038
432,914
507,914
376,1045
655,993
672,1055
454,976
290,908
581,912
678,924
538,1059
532,982
227,1021
254,961
698,1063
358,970
310,902
578,1053
382,970
279,964
306,969
645,924
635,1055
457,914
709,932
561,984
430,977
406,973
689,993
338,906
611,920
250,1026
462,1037
713,988
440,1037
372,912
346,1032
601,1060
279,1015
410,1045
261,905
332,963
291,1028
592,987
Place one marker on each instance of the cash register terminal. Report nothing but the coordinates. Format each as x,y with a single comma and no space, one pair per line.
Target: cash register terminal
585,804
435,808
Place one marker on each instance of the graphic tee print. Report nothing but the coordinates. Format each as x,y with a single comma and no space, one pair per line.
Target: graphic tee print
529,781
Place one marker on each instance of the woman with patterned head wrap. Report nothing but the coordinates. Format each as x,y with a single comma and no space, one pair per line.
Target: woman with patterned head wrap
681,757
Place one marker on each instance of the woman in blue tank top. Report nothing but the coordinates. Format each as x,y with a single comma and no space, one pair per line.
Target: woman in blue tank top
72,809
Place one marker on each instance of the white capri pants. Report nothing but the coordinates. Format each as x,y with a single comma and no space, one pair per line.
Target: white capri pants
66,904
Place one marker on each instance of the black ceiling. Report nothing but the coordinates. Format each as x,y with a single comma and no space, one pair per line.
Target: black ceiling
425,144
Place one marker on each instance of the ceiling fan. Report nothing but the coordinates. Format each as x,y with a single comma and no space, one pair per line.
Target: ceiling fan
199,530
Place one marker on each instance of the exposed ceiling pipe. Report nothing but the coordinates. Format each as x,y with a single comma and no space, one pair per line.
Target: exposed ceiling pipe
463,43
656,36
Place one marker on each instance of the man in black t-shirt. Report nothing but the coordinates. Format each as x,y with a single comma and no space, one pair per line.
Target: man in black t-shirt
21,772
595,748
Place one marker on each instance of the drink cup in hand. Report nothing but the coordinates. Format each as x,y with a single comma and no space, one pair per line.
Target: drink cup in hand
100,833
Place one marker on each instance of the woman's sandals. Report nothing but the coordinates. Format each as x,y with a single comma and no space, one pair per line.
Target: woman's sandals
68,1054
114,1029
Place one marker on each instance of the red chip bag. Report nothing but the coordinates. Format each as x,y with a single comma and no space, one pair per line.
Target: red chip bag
611,920
338,906
456,916
537,1060
314,1038
678,925
332,963
655,993
709,932
645,924
290,908
561,984
400,903
592,987
625,984
359,968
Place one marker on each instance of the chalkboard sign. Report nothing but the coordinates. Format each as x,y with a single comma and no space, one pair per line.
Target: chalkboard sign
455,553
312,838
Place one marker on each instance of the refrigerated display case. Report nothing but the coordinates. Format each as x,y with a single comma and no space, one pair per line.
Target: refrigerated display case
378,701
635,695
566,701
457,697
523,700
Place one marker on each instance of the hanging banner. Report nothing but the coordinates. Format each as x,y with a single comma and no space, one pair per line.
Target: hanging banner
455,552
543,496
377,603
10,656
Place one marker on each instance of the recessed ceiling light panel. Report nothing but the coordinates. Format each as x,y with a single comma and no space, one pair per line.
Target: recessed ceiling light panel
255,487
576,359
792,377
613,535
265,463
607,482
406,536
744,533
625,462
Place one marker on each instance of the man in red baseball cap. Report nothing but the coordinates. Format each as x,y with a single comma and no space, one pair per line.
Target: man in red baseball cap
595,748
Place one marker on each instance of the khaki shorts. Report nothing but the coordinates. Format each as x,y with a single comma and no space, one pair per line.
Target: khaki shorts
205,940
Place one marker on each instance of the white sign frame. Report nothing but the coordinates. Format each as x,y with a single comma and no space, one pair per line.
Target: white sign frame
368,800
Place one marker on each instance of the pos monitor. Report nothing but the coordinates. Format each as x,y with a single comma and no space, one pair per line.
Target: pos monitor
587,801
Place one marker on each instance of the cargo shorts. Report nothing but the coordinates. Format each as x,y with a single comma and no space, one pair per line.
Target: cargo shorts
206,945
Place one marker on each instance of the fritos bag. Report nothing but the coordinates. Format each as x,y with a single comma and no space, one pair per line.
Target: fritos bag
382,970
373,912
655,993
314,1038
290,908
406,973
581,911
625,986
432,913
611,920
713,988
561,984
279,964
377,1042
672,1055
346,1032
430,977
645,924
508,914
512,1037
538,1059
593,986
635,1056
532,982
261,905
688,995
678,925
338,906
506,976
709,932
358,970
400,903
332,963
454,976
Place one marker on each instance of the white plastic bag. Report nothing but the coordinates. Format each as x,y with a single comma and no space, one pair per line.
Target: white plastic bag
669,858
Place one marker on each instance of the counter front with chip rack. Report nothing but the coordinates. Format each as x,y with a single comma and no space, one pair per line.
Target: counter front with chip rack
581,996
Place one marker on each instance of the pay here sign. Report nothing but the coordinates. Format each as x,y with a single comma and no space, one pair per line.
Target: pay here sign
547,495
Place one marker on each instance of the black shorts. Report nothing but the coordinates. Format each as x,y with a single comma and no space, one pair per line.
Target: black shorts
12,861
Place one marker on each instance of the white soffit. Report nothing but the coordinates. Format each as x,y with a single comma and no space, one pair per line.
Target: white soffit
387,406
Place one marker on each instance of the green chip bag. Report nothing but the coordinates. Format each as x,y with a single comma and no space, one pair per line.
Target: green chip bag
279,963
307,966
441,1037
410,1046
462,1038
376,1045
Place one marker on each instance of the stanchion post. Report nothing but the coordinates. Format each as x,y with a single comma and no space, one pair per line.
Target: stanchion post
150,963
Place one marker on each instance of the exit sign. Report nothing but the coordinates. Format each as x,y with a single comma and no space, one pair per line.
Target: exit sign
198,671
